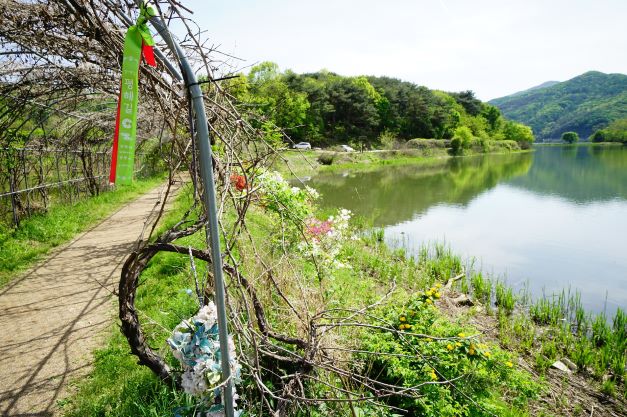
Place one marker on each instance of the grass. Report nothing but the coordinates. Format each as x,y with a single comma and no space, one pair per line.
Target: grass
118,386
557,327
21,247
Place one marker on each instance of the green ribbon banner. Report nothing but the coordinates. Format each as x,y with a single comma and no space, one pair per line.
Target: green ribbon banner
137,38
127,119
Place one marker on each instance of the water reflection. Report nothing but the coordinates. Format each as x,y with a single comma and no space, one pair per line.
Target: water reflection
581,174
395,194
555,218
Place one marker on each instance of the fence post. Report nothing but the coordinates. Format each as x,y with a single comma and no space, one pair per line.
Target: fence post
26,182
56,163
16,219
69,175
42,179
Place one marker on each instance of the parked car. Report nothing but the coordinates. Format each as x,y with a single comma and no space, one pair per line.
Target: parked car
302,145
347,148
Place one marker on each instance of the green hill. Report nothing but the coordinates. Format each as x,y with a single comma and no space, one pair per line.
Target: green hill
537,87
583,104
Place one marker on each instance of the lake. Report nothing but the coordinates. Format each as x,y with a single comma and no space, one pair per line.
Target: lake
551,220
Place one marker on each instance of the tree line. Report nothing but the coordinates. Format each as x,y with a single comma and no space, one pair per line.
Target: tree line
325,108
615,132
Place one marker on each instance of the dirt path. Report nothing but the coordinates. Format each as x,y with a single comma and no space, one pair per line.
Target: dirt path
52,317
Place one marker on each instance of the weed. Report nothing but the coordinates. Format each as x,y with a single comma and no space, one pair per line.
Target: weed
482,288
505,298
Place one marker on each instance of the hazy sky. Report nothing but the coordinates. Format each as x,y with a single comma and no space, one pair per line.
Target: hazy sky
494,47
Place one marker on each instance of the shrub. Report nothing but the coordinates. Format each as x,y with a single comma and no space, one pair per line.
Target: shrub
388,139
326,158
570,137
598,136
456,146
427,143
465,135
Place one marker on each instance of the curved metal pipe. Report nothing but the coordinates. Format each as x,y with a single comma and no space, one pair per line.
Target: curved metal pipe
208,182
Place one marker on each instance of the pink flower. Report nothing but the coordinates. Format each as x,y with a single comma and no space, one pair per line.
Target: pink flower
317,228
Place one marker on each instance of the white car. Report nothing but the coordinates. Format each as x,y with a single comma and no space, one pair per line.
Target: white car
347,148
302,145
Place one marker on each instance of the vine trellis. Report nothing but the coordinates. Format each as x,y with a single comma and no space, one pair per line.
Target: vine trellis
59,78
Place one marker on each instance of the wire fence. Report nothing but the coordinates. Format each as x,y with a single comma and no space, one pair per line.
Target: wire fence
34,179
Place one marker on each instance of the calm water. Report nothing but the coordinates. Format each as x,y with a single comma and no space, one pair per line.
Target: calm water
552,219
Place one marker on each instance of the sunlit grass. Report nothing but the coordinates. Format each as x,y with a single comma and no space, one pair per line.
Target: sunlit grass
23,246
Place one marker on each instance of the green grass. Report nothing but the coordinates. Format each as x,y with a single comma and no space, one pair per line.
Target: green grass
557,327
118,386
21,247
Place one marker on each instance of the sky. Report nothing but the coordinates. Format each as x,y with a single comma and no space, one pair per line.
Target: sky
493,47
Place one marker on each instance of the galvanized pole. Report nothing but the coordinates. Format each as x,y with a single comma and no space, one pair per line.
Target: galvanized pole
211,228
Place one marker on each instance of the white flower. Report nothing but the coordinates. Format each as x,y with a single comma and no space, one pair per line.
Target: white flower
207,315
312,192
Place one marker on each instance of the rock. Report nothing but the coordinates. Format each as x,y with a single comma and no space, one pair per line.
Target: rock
463,300
570,364
561,366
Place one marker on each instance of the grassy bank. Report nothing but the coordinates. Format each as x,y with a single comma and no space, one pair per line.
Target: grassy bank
21,247
423,152
502,346
600,144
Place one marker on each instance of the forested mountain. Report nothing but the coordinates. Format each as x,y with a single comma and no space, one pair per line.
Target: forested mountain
537,87
584,104
325,108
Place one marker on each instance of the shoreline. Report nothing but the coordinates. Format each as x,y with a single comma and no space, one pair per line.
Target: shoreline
295,163
586,143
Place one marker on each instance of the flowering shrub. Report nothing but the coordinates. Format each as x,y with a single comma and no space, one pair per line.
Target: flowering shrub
195,344
324,240
289,202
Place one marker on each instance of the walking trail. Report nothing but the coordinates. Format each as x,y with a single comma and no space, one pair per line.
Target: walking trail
53,316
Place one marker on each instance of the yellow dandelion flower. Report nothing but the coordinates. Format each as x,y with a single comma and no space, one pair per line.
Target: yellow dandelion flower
509,364
402,318
461,335
429,293
429,301
450,347
471,352
437,295
488,354
438,285
433,376
458,344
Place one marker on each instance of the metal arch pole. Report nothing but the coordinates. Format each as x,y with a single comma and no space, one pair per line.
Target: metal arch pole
211,229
